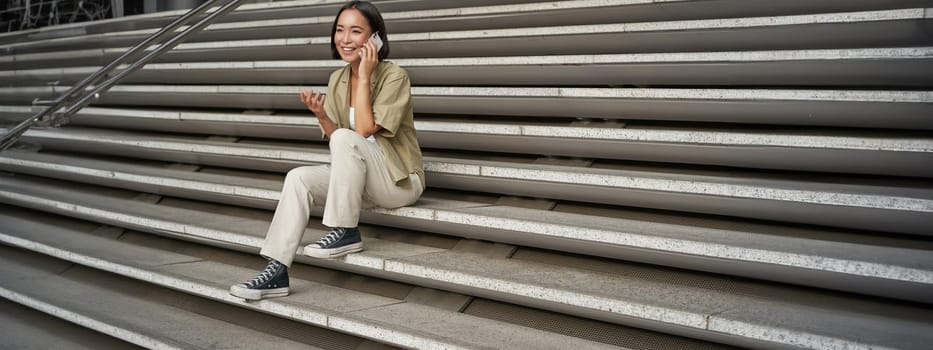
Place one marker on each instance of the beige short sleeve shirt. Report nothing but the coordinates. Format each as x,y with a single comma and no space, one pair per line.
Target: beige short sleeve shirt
392,110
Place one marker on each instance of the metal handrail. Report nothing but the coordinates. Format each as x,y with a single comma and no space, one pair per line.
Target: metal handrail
80,91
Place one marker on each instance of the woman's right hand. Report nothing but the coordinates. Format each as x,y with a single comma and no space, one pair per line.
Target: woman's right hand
314,101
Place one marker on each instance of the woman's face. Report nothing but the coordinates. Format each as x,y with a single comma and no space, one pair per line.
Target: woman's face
352,32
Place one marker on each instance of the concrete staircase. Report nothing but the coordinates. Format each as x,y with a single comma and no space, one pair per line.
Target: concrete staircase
699,174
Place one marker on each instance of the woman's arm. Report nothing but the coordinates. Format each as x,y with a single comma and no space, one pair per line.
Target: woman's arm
327,125
315,102
364,121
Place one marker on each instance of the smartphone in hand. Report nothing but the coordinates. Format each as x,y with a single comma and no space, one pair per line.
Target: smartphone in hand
377,41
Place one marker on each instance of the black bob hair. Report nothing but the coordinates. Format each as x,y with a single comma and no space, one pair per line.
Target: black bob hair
375,22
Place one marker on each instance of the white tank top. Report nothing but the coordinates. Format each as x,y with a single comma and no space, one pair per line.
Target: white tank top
371,138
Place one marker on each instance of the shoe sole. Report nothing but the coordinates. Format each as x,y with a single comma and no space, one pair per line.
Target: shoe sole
257,294
333,252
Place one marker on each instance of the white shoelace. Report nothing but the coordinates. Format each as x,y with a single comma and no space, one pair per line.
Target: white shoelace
263,277
331,237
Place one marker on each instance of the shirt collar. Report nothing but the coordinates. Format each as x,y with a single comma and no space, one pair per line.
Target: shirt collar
345,75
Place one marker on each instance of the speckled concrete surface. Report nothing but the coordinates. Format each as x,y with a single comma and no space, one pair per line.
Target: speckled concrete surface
608,93
785,191
474,332
26,328
685,306
822,256
644,27
542,62
810,325
822,140
127,317
345,310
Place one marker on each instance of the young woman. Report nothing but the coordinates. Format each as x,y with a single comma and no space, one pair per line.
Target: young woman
375,158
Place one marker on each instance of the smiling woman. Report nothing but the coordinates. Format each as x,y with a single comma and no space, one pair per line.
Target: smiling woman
375,157
362,20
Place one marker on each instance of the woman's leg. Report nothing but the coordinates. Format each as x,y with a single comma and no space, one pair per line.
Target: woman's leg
304,188
360,169
382,190
360,176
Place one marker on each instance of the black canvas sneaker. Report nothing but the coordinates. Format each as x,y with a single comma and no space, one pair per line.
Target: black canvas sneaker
338,242
271,282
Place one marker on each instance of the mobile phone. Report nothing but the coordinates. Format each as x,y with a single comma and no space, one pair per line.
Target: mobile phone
377,41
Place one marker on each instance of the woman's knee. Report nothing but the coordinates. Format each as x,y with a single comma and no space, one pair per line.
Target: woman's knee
342,137
296,173
307,175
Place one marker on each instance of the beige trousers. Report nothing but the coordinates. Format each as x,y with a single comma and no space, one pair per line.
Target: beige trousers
356,178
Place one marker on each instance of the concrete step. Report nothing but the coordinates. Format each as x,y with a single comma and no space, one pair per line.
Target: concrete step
760,316
25,328
118,307
834,259
371,316
906,109
867,67
883,153
559,13
319,24
887,28
512,314
154,20
867,258
272,10
887,205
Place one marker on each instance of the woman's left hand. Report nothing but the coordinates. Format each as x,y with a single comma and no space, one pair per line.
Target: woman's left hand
369,58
